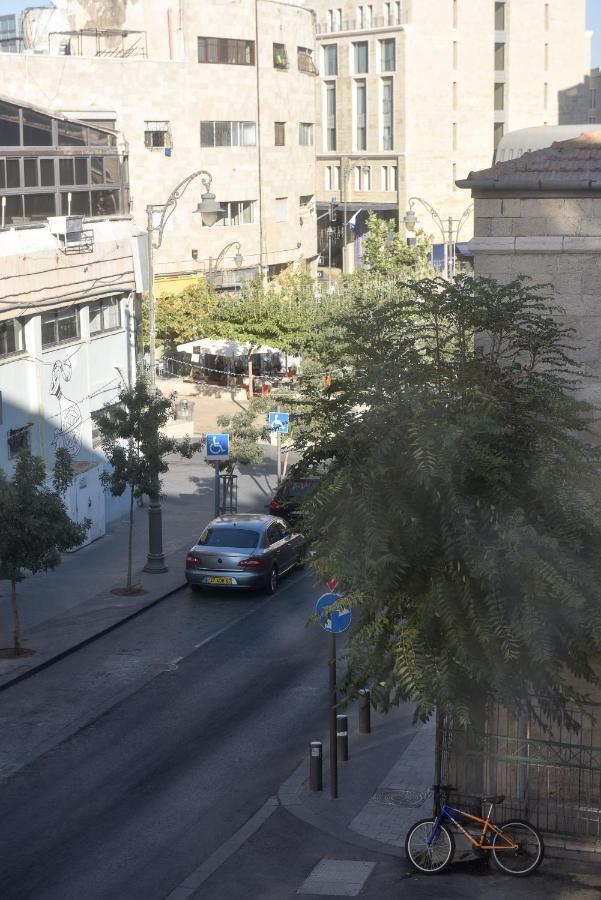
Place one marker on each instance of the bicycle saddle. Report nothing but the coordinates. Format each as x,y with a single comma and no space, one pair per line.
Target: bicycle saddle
493,798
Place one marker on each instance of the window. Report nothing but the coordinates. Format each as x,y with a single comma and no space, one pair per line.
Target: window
37,129
330,59
306,204
105,315
360,17
369,18
499,16
228,134
455,54
455,14
388,18
105,170
387,61
546,56
546,95
455,95
157,135
226,51
339,19
281,209
11,337
593,98
332,178
306,63
499,96
389,175
360,50
10,130
546,16
305,134
237,212
360,113
499,57
330,115
387,115
363,177
60,326
39,206
454,176
280,57
280,134
454,135
71,134
18,439
498,133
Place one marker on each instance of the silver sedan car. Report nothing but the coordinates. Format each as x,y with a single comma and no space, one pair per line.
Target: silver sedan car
244,551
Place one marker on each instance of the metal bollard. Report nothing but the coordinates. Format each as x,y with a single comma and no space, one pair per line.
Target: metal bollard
316,766
364,712
342,738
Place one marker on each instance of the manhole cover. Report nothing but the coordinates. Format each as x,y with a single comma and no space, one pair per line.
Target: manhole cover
395,797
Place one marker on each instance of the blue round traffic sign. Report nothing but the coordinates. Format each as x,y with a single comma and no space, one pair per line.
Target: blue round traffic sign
333,620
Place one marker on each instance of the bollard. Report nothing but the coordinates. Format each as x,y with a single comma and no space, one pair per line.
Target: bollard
342,738
364,712
316,766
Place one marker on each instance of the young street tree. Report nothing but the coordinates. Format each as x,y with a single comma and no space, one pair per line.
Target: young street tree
461,508
136,449
385,253
35,527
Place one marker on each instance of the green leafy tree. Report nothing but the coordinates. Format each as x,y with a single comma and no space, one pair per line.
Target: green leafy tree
183,317
35,527
385,252
461,505
136,448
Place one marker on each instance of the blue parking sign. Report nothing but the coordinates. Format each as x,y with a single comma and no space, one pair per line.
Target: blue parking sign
218,446
278,421
333,620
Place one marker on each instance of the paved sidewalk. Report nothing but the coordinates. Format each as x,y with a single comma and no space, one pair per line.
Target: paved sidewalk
65,608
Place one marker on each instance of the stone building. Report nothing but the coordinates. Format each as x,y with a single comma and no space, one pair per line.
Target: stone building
68,289
415,93
222,85
540,215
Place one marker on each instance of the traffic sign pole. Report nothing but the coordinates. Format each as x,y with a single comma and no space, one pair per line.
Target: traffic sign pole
333,701
217,491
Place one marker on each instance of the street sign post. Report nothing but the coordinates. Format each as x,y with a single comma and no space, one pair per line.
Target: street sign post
217,450
334,621
279,421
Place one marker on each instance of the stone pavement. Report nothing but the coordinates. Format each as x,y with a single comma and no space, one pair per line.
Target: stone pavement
66,608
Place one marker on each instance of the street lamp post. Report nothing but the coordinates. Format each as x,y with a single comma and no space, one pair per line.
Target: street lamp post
210,211
347,167
449,230
214,267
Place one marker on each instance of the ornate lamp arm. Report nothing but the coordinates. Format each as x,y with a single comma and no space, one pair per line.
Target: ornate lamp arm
168,207
464,217
433,213
219,259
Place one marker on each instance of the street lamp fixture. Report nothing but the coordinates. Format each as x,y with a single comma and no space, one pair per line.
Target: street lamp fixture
210,211
449,231
214,267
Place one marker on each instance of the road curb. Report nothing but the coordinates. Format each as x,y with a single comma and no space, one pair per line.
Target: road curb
34,670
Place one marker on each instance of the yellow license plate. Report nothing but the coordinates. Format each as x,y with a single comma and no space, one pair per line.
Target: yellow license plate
220,580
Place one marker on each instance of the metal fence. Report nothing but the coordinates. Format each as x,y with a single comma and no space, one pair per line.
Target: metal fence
550,776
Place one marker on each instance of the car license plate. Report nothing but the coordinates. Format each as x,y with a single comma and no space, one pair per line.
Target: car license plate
215,580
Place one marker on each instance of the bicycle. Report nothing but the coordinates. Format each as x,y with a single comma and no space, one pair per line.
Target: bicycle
516,846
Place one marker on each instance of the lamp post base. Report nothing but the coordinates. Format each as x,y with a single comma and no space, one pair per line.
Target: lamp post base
155,563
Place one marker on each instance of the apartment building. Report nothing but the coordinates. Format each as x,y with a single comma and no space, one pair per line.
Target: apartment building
226,86
68,286
414,94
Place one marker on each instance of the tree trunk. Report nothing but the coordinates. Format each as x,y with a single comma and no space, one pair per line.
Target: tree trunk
16,621
250,375
130,538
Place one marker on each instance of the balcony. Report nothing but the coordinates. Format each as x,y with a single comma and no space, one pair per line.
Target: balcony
355,25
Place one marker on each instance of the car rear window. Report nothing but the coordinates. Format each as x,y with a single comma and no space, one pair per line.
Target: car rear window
298,488
230,537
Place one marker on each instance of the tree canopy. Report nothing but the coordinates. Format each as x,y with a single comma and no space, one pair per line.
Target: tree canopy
386,253
460,509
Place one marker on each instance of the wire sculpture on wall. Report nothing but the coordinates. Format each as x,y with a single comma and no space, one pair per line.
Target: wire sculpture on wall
68,434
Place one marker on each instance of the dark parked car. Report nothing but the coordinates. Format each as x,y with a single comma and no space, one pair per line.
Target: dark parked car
287,500
244,551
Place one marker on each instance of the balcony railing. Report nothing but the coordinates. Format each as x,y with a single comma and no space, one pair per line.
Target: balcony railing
355,25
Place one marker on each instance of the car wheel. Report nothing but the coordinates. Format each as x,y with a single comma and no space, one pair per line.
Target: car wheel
273,581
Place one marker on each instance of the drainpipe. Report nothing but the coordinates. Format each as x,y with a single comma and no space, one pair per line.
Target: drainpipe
259,142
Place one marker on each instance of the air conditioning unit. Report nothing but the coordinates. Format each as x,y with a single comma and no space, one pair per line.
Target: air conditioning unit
72,238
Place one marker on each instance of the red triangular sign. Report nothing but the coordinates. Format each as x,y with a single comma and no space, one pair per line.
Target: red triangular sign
332,583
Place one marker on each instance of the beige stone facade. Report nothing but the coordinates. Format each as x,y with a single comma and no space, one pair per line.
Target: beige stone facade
162,84
464,72
540,216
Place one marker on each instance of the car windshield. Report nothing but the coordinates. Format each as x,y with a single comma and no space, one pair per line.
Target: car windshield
298,488
229,537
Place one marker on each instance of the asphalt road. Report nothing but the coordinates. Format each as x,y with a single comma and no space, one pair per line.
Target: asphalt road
132,802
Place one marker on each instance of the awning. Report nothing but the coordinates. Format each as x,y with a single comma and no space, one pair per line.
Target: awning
221,347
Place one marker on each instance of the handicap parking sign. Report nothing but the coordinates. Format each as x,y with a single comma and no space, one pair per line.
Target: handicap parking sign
218,446
278,421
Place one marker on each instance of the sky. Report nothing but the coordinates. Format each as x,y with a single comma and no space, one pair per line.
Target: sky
593,7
